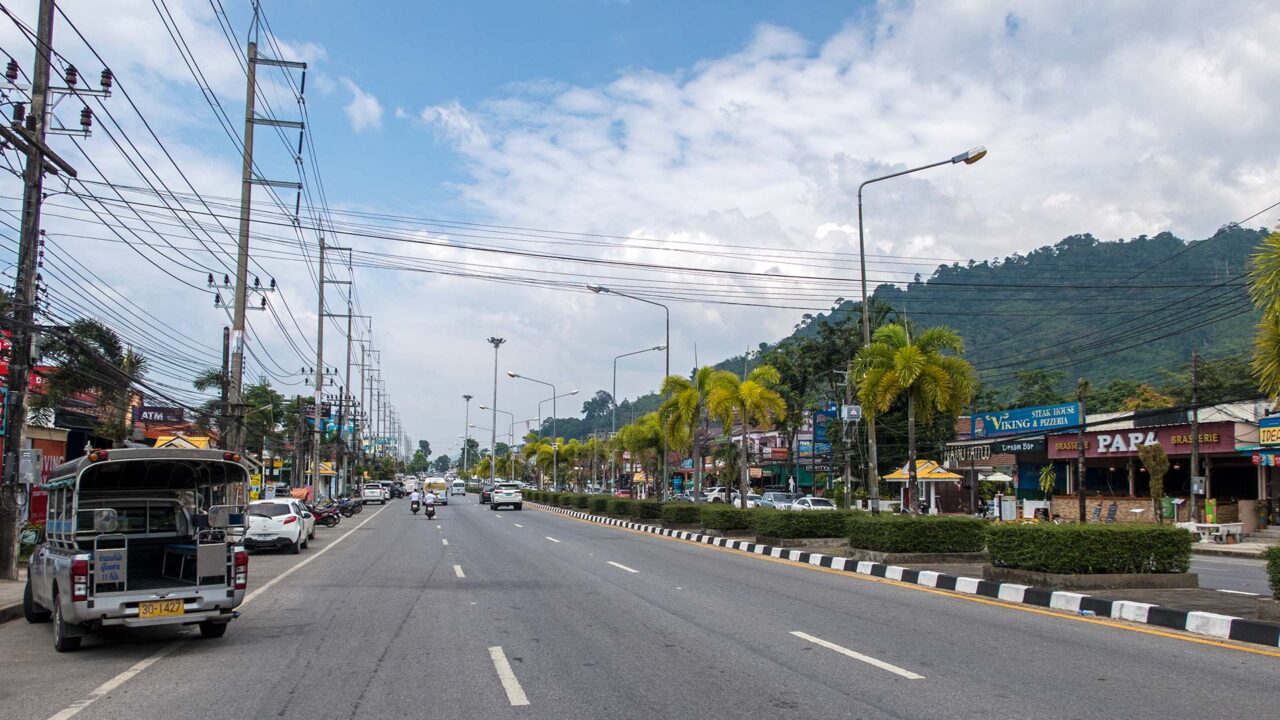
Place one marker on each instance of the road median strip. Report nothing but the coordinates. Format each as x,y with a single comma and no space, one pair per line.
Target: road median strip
1213,625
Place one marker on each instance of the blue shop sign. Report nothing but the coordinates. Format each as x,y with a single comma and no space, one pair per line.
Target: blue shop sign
1043,418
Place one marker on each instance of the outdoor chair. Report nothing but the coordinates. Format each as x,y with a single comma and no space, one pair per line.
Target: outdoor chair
1097,514
1111,512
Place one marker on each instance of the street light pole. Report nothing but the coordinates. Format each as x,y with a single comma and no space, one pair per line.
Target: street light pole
510,433
555,439
873,471
666,473
466,433
614,401
496,342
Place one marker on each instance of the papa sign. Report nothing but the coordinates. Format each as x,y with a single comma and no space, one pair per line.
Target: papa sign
1130,442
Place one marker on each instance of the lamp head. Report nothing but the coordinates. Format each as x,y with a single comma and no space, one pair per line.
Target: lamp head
970,156
597,288
511,374
659,347
573,392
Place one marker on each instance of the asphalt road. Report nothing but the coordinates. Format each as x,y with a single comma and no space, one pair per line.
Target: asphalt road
1225,573
584,621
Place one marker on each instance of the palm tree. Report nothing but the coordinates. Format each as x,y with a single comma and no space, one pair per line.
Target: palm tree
894,366
683,412
643,439
90,357
1264,288
753,401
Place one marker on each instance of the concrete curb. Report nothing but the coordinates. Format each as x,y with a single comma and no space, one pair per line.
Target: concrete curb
10,612
1223,627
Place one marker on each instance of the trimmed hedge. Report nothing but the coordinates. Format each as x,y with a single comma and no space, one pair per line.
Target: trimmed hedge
598,504
1273,570
1091,549
926,534
790,524
681,513
580,501
568,499
647,509
621,506
724,517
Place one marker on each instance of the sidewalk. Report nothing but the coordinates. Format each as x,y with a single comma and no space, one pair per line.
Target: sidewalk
11,596
1244,549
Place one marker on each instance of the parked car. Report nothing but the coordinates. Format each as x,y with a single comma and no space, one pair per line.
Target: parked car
753,500
778,500
458,488
622,493
813,503
506,494
373,493
720,494
278,524
681,497
486,494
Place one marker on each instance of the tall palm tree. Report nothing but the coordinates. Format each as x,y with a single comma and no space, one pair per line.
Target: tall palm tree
1264,288
643,439
921,370
752,401
683,412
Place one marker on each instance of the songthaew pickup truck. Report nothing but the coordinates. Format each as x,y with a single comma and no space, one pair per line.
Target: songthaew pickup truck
141,538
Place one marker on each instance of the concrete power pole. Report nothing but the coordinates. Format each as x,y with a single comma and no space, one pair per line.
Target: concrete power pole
1195,439
496,342
1081,390
24,295
466,433
318,433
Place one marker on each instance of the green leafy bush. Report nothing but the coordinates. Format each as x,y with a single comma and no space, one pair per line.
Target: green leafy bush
580,501
621,506
724,517
553,498
1273,570
927,534
567,499
647,509
681,513
790,524
1091,549
598,504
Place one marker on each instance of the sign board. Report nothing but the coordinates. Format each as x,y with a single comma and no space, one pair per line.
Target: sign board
851,413
968,453
1012,447
1042,418
822,419
30,466
269,492
109,566
149,414
1269,430
1216,437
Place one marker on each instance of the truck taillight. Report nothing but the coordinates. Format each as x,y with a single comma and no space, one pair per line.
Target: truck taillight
79,580
241,576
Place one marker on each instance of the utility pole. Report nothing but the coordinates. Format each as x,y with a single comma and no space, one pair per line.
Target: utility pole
24,295
225,383
847,439
496,342
1195,438
466,433
317,434
235,434
1081,389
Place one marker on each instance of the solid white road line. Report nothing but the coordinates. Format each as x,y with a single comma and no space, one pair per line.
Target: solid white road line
1238,592
515,693
623,567
858,656
457,570
444,540
115,682
552,539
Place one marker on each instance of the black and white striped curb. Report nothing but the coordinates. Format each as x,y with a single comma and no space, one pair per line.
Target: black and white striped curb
1214,625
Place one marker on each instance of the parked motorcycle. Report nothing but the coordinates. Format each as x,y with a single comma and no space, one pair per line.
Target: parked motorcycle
327,515
413,506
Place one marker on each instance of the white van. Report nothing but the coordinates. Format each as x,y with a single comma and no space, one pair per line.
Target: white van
458,487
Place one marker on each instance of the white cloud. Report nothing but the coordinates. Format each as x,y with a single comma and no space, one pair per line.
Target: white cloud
364,111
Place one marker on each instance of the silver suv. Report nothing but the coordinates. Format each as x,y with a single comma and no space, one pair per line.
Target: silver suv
506,494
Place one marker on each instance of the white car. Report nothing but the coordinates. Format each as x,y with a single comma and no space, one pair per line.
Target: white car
458,487
813,503
506,494
753,500
372,493
718,494
279,523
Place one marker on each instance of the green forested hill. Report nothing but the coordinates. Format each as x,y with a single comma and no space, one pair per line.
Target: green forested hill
1129,310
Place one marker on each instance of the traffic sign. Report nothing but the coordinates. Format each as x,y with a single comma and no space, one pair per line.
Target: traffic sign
851,413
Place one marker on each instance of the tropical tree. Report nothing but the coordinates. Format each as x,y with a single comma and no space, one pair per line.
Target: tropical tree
90,357
683,413
725,457
1156,461
1048,481
1146,397
643,439
751,401
923,372
1264,288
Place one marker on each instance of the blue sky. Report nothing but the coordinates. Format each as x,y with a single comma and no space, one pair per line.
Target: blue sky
415,54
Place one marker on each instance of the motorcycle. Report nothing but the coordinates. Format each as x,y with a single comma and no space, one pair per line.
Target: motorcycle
413,506
326,515
431,511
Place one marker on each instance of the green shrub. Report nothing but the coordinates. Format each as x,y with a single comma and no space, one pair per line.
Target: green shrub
790,524
580,501
724,517
473,489
1273,570
1091,549
566,499
598,504
553,498
621,506
647,509
926,534
681,513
